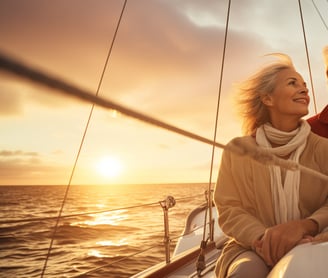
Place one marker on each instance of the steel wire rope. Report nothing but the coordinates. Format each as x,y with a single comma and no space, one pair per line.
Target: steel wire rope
216,125
118,260
111,210
307,57
149,248
75,214
82,141
91,212
137,253
200,263
320,15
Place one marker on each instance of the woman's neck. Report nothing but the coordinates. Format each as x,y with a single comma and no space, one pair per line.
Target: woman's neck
285,125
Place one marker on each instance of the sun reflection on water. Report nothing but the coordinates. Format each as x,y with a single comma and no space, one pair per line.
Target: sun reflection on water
108,218
96,253
106,243
121,242
112,218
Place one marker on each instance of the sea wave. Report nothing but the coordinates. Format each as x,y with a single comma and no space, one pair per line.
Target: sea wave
87,241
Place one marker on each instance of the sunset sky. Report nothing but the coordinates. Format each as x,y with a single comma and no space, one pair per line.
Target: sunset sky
165,63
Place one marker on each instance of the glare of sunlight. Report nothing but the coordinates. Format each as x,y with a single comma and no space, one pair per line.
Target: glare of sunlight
109,218
95,253
121,242
109,166
112,219
100,205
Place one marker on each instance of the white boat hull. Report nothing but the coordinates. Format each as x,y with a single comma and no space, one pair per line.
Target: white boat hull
304,261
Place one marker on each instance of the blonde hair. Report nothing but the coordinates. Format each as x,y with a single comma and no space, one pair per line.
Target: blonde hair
251,92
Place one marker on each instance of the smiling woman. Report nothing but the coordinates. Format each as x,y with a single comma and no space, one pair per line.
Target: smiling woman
109,166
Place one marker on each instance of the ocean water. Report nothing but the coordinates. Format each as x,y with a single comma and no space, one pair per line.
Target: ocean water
107,229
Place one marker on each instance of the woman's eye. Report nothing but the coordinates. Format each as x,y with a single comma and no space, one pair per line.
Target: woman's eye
293,82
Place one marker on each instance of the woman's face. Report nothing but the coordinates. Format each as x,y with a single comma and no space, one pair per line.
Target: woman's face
290,97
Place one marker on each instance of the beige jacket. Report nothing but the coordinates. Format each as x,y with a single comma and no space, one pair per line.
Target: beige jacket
243,197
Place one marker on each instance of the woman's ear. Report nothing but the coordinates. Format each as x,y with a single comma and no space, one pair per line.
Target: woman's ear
267,100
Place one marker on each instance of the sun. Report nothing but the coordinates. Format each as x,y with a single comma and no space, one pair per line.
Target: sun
109,166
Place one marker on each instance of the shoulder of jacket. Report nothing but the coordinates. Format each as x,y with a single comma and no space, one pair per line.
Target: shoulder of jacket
318,141
243,139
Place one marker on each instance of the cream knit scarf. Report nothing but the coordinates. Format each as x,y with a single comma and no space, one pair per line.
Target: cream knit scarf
285,194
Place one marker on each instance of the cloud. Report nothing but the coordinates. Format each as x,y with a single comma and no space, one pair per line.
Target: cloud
19,172
160,47
21,167
7,153
12,159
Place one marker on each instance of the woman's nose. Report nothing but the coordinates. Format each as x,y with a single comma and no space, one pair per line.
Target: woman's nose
305,90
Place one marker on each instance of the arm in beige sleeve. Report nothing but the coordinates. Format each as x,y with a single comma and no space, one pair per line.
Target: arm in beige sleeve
235,221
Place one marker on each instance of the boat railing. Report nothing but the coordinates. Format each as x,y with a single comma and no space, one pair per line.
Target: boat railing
165,204
38,219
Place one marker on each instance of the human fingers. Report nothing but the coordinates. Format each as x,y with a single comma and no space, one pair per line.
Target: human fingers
275,245
281,248
257,243
266,248
305,239
323,237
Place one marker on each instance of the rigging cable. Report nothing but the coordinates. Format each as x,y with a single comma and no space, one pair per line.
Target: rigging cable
117,261
217,115
37,219
138,252
82,142
321,17
200,264
307,57
134,254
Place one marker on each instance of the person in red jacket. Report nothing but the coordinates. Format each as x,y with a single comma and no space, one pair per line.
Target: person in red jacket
319,122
